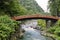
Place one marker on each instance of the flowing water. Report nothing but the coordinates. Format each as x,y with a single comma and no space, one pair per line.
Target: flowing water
31,33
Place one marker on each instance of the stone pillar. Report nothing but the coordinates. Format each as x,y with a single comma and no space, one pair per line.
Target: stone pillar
48,23
53,22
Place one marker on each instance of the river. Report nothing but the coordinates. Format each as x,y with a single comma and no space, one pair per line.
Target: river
31,33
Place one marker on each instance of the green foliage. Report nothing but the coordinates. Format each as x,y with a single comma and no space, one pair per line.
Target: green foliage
31,6
12,7
19,7
57,38
55,30
42,24
51,30
7,27
54,6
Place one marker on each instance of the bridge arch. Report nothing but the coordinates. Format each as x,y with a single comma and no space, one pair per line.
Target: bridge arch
37,16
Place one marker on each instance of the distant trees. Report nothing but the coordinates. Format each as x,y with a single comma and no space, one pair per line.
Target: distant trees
54,6
31,6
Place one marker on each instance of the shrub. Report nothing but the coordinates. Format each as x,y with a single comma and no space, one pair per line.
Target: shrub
41,23
57,31
51,30
7,27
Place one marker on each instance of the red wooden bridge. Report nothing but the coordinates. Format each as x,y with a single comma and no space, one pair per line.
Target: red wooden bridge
38,16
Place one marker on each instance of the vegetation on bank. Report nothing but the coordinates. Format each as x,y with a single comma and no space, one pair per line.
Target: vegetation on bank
55,30
7,27
42,24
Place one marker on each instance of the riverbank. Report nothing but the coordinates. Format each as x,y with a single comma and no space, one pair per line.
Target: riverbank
53,36
48,34
53,32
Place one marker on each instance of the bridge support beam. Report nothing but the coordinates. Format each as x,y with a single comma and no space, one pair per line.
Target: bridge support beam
48,23
53,22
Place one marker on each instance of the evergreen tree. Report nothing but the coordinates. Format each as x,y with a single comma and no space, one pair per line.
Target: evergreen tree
54,6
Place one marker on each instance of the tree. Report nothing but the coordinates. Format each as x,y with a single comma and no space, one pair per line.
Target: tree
12,7
32,6
54,6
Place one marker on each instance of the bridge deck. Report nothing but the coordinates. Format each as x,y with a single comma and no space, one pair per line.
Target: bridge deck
36,16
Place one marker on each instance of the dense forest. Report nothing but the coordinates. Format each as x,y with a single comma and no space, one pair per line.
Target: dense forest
32,6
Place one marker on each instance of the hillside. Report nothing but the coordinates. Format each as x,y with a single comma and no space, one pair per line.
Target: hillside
32,6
